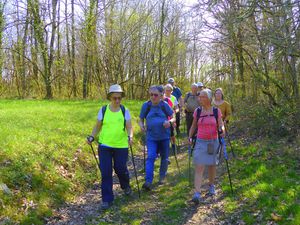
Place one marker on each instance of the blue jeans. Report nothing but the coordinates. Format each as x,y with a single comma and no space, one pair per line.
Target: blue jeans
119,155
161,146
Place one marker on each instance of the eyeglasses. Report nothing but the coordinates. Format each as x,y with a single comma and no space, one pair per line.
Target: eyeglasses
154,94
116,98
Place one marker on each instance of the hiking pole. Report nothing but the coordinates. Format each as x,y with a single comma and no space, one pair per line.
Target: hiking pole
226,159
227,134
190,152
95,157
175,155
135,173
144,151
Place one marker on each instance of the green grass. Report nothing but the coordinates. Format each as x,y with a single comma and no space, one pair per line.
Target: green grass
268,183
45,162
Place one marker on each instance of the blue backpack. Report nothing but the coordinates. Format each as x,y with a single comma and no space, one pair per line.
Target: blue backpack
162,106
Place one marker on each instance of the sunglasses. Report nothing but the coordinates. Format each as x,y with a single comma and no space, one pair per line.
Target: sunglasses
116,98
154,94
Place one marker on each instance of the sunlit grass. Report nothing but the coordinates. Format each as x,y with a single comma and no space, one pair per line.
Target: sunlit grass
267,184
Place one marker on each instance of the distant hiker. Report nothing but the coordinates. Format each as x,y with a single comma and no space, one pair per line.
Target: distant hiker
200,87
156,113
191,102
168,90
177,93
223,105
114,125
208,122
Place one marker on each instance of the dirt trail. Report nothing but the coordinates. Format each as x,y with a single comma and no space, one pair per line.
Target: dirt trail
87,206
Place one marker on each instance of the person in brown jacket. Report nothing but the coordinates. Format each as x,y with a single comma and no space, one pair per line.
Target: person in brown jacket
223,105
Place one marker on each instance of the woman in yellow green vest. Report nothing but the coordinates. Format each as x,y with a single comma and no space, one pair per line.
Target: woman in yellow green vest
114,125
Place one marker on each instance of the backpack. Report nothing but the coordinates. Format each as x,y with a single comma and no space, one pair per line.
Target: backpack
123,112
189,94
215,112
162,106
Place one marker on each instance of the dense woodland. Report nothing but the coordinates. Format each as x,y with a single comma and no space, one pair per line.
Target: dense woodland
76,49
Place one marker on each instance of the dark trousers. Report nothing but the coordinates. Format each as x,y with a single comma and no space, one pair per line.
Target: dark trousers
177,122
189,120
119,156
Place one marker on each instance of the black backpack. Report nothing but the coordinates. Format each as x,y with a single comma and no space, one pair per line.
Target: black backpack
162,106
123,112
215,114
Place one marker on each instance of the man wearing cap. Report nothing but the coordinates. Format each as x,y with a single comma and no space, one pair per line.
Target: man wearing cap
200,86
191,102
177,93
114,125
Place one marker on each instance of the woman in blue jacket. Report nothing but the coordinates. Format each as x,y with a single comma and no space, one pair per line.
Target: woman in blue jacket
159,116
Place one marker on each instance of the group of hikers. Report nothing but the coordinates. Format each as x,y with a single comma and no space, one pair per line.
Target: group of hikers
206,113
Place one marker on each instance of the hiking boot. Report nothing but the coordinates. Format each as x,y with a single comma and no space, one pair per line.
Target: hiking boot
196,198
127,191
211,190
106,205
161,180
147,186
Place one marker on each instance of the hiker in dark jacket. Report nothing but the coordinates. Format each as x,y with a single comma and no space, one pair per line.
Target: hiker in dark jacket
114,125
159,116
191,102
177,93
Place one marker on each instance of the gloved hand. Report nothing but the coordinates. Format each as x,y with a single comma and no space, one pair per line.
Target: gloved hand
90,139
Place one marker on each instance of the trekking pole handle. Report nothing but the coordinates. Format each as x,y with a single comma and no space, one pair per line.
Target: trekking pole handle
90,138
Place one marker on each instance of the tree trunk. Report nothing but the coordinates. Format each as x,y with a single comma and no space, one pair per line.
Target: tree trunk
74,88
160,53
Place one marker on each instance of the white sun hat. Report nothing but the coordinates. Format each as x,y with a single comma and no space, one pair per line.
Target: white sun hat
115,88
200,84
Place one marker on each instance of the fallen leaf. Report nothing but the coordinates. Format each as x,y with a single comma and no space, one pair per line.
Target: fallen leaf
276,217
5,189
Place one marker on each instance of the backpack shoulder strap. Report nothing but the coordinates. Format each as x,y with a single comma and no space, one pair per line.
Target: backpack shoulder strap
123,112
149,104
215,111
103,111
188,95
199,109
163,108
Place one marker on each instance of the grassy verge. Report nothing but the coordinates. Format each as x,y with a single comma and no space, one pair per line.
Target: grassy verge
266,183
